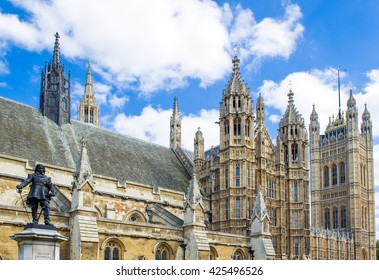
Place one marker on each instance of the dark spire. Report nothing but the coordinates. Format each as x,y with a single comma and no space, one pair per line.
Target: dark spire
56,55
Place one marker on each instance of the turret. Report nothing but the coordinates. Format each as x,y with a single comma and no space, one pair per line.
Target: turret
175,127
55,97
88,110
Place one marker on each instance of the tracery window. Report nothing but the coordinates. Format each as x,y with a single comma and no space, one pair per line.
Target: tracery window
326,176
162,252
238,176
343,217
334,174
295,193
112,251
52,100
327,218
342,173
238,255
335,218
238,208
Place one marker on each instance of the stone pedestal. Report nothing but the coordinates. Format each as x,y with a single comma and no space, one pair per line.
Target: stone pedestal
38,242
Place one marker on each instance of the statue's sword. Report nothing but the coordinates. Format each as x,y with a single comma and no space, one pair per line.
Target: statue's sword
23,204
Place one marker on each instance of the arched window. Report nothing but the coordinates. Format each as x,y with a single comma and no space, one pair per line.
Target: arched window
343,217
247,130
112,251
226,125
227,209
295,193
162,252
52,100
327,218
247,177
296,219
86,114
91,115
64,104
213,253
226,178
296,246
326,176
294,151
238,255
238,208
334,174
238,176
237,126
335,218
285,152
342,173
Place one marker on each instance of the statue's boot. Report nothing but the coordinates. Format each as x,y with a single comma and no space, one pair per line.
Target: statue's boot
46,214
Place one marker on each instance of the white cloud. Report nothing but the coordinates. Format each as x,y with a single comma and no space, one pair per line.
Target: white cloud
134,46
154,125
268,38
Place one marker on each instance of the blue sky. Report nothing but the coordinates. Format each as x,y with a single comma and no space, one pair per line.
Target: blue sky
144,53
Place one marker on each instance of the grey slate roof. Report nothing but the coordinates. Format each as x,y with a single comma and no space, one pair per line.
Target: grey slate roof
25,133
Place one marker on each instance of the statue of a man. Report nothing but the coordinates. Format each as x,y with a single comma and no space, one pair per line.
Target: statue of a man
41,190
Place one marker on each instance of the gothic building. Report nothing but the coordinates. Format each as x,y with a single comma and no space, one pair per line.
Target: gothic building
342,179
55,96
246,159
247,198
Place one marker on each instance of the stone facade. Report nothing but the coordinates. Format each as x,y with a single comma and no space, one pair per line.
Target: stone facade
246,198
342,179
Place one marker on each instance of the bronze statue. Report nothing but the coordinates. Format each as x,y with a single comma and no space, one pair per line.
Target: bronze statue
41,190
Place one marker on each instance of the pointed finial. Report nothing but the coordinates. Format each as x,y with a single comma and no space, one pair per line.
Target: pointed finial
236,62
56,55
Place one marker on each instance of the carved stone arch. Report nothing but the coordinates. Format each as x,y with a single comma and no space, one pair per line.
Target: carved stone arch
238,254
115,239
20,201
162,249
135,216
213,254
113,245
100,213
364,254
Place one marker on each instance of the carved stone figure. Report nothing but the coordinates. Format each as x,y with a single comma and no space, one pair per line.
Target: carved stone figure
41,190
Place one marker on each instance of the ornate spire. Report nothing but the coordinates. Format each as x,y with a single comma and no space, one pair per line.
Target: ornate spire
194,195
84,172
259,210
314,115
56,55
236,84
175,127
88,110
351,102
89,85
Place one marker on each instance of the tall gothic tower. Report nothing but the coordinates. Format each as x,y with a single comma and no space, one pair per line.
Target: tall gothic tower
88,109
55,89
175,127
342,179
293,145
234,199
